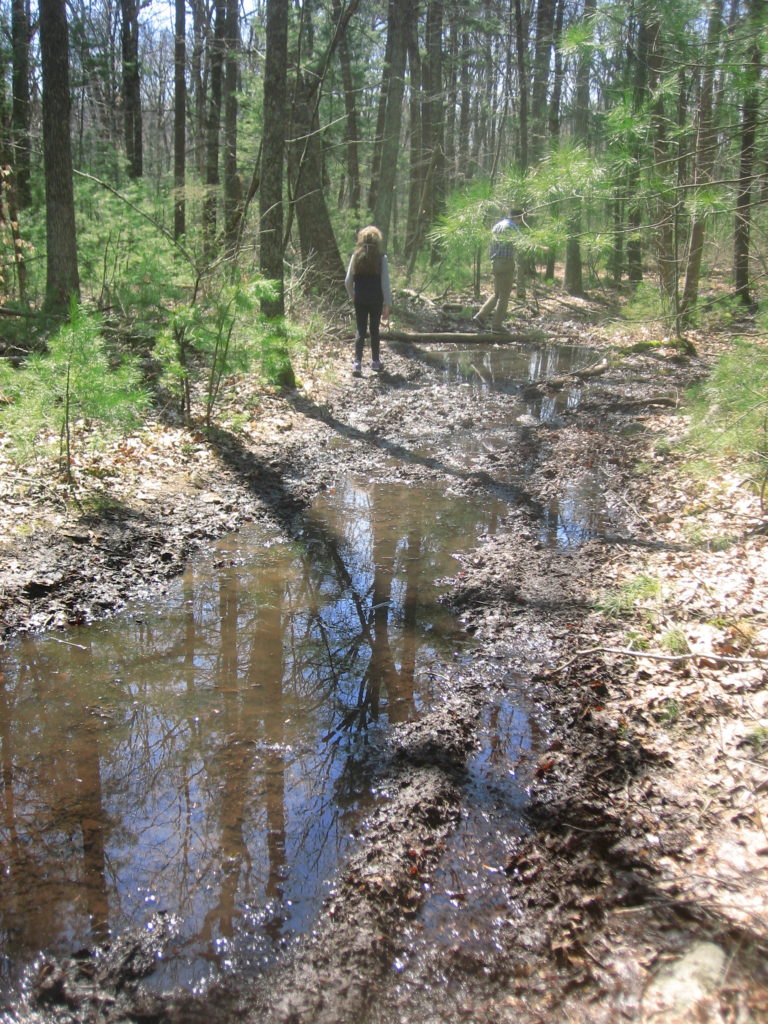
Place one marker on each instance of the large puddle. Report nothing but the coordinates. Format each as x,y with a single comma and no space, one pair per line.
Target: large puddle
201,755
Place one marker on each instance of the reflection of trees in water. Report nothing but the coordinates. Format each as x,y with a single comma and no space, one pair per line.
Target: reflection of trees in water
233,768
180,760
396,556
54,823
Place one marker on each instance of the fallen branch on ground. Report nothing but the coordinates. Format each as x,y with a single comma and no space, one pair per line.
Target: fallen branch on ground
544,383
658,656
461,338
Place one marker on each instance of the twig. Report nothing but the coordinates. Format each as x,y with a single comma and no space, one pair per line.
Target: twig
67,643
656,656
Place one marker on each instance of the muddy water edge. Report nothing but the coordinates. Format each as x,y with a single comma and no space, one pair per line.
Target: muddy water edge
420,743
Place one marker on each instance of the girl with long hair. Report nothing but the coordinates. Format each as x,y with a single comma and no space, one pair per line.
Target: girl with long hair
367,284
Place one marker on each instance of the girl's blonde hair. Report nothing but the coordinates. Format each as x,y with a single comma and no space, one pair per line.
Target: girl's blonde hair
368,251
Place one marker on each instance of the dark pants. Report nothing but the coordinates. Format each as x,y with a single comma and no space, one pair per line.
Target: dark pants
366,314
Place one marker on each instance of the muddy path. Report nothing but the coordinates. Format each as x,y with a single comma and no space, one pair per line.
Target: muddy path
587,896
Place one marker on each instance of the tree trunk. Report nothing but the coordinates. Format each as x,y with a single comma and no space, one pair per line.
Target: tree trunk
665,202
463,148
451,97
402,17
199,74
62,279
319,250
574,281
213,128
558,75
435,141
381,111
233,196
20,115
545,23
417,132
749,116
129,36
273,154
639,98
352,130
179,120
522,86
706,143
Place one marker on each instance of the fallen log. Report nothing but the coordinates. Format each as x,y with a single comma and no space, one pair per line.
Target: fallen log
639,403
555,383
462,337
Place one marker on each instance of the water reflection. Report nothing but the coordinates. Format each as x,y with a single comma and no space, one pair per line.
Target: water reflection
506,367
203,757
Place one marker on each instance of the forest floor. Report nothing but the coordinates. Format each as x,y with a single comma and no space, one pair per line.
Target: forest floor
640,890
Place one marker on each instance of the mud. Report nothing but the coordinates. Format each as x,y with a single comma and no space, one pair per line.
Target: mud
591,914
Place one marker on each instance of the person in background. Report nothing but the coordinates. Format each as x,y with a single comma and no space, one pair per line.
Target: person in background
502,252
367,284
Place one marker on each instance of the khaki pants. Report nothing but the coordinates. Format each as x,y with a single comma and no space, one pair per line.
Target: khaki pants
503,282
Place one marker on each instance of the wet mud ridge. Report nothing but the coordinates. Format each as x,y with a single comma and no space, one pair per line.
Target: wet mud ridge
586,905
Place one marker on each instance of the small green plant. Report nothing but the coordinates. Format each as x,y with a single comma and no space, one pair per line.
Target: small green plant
274,357
645,306
758,739
98,504
75,383
721,543
637,641
622,602
730,410
669,712
674,641
206,342
695,534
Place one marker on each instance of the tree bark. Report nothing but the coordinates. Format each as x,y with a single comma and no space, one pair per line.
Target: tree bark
179,120
706,143
574,281
233,196
435,99
639,99
417,145
381,112
749,116
522,85
273,154
352,130
545,24
319,249
199,74
20,115
129,36
213,127
402,17
62,279
665,201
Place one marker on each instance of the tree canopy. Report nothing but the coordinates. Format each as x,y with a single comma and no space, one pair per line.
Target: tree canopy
260,137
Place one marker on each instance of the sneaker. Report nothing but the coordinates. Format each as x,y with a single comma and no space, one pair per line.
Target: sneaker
357,369
376,365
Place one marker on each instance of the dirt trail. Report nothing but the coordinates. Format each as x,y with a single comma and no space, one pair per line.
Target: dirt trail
629,866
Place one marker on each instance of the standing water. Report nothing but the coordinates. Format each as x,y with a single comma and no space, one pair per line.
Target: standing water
200,756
